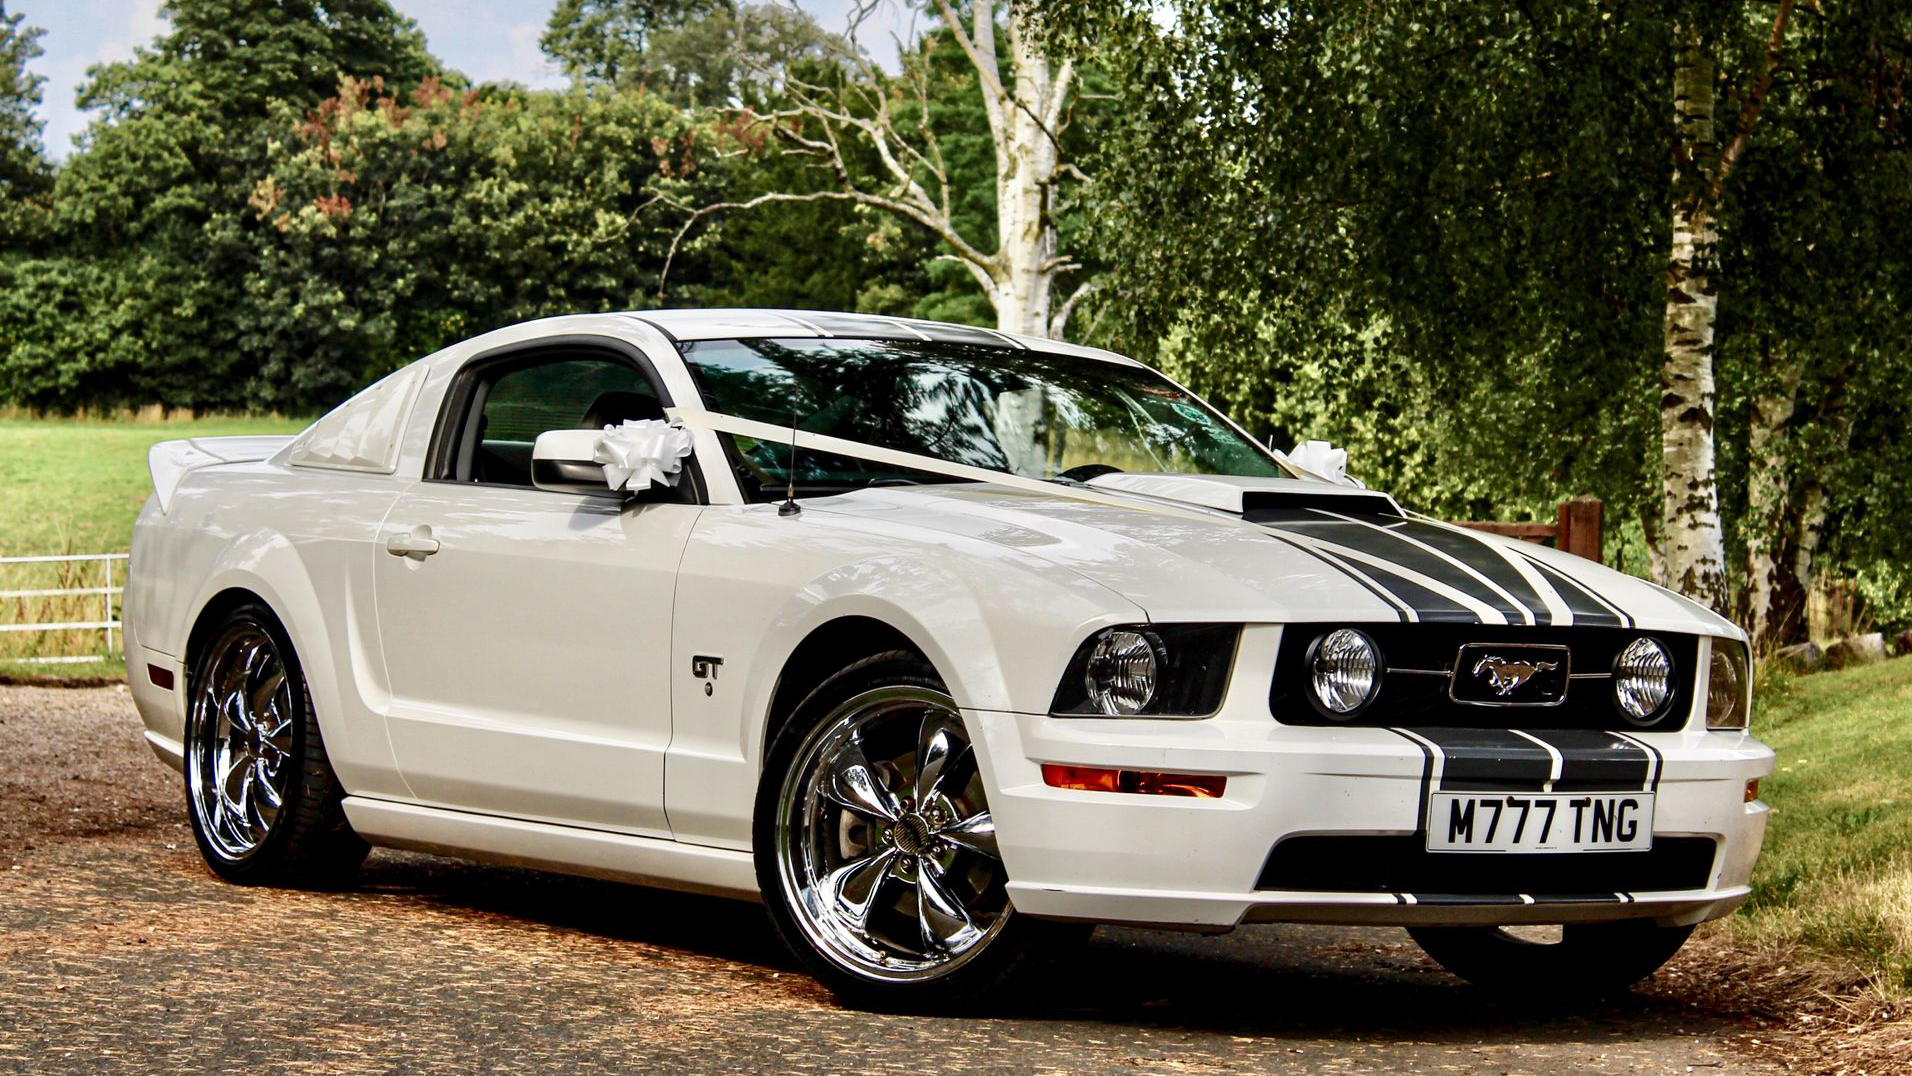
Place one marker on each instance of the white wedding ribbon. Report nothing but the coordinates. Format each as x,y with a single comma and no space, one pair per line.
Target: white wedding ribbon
642,453
817,442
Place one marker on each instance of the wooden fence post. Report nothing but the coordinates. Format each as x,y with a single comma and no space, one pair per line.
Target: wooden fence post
1579,521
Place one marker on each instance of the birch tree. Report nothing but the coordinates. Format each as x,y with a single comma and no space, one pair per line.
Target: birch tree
871,135
1693,541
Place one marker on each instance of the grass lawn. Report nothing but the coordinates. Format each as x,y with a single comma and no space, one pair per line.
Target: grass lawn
1836,875
75,486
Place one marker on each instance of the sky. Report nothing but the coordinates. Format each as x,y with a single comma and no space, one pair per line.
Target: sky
489,40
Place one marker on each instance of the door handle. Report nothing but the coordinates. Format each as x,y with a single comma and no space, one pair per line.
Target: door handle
416,543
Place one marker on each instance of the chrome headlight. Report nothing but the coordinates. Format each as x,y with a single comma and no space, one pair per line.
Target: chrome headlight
1123,668
1344,672
1643,680
1728,702
1149,670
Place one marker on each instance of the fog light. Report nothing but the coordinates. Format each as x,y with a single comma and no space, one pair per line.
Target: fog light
1135,782
1643,680
1120,679
1344,670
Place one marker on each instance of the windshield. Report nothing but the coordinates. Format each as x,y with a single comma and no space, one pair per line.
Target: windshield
1034,414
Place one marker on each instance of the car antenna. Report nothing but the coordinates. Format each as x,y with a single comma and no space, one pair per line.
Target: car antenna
790,507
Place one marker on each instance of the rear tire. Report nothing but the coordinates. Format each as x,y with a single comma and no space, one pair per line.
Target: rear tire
264,802
876,851
1590,959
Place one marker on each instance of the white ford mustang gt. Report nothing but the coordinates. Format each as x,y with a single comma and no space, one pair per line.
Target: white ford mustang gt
939,641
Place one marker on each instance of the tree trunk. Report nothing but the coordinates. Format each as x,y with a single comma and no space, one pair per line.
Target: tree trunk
1694,544
1770,612
1027,158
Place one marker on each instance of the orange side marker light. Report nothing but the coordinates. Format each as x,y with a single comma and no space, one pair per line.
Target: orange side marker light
1135,782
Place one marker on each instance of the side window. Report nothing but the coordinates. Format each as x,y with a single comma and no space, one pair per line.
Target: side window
511,404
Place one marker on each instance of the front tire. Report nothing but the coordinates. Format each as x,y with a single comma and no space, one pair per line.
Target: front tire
876,852
264,802
1589,959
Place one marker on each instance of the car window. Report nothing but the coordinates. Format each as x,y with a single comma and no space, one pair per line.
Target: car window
1031,413
513,407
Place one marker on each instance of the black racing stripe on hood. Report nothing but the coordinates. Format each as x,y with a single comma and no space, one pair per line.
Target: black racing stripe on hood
1586,608
1488,760
1381,540
1479,555
1595,761
1344,569
1429,607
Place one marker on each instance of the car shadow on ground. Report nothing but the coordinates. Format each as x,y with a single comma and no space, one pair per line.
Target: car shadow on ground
1263,981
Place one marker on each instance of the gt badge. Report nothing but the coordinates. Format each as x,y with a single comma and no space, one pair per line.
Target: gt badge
704,667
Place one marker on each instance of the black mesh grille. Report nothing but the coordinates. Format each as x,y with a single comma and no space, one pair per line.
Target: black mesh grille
1404,865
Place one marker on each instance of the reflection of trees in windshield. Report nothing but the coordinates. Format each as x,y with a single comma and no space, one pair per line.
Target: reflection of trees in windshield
1030,413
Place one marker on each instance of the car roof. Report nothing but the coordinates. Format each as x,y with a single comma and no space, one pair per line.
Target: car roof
751,323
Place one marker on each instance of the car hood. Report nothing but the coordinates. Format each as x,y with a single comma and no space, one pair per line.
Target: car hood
1262,550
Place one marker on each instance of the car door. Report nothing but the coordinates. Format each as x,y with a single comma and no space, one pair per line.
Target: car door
526,632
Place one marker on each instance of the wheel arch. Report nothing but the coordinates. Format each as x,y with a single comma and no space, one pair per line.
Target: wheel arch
212,614
828,648
266,567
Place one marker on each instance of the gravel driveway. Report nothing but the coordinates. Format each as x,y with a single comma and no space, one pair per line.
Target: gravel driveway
119,951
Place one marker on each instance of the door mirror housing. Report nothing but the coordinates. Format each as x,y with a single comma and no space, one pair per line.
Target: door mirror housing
641,459
562,461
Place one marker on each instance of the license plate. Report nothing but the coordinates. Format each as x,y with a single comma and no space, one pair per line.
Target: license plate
1540,822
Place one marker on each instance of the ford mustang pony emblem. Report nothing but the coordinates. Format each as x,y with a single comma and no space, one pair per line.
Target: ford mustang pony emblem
1505,677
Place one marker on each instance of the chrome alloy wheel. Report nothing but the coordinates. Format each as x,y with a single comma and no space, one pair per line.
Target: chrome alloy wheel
239,764
884,839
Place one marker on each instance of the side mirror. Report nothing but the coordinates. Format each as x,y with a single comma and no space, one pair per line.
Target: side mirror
643,458
561,461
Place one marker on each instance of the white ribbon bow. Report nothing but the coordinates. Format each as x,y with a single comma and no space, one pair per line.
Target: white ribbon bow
642,453
1322,460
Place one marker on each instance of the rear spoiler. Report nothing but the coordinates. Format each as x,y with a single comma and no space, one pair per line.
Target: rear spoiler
169,461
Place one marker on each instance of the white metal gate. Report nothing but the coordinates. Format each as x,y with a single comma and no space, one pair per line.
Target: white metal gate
77,614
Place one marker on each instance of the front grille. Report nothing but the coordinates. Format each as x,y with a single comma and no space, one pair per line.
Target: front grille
1369,864
1420,660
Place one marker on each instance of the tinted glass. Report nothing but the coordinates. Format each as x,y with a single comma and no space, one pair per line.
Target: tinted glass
526,402
1034,414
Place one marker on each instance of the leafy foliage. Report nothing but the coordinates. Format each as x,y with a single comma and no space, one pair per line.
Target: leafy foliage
25,175
397,224
695,53
1437,232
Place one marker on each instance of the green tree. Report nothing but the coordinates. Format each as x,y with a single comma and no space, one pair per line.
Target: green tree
609,41
150,214
875,139
394,223
1440,231
25,175
695,53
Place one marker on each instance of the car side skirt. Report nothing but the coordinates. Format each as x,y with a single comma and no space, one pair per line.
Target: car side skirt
567,850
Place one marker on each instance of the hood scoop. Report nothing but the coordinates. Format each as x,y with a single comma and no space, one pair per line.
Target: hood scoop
1249,496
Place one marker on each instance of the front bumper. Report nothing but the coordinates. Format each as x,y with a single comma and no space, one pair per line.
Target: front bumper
1199,863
